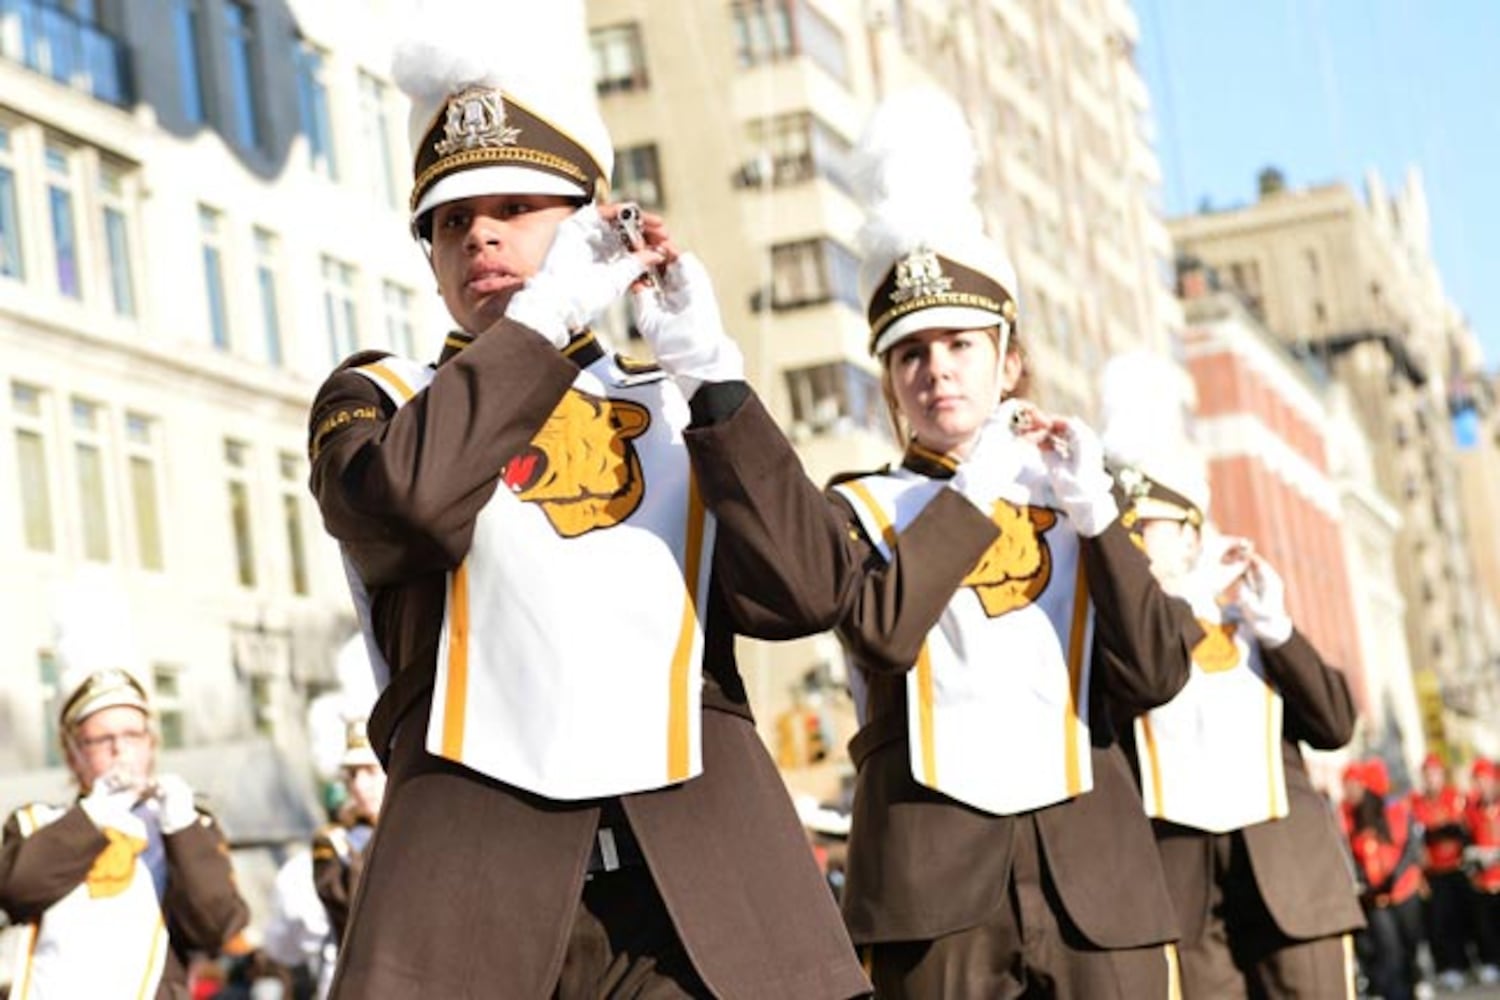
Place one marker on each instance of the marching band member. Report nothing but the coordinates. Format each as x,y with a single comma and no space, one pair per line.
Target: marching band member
998,846
1251,853
116,890
339,848
579,803
1483,859
1439,810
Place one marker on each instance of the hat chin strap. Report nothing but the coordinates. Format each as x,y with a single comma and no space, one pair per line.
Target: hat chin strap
1004,349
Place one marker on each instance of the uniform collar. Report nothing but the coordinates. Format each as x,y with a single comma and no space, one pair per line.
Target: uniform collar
583,350
929,463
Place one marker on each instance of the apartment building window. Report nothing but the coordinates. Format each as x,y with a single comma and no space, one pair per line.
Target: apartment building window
312,106
88,462
11,265
116,213
211,231
638,176
619,58
143,460
340,316
261,704
292,491
61,172
810,272
400,328
29,406
797,147
237,472
834,398
166,699
49,674
375,130
187,37
239,40
267,267
770,30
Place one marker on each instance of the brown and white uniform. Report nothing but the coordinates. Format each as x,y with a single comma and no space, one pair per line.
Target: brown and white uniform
1262,888
950,899
113,913
475,887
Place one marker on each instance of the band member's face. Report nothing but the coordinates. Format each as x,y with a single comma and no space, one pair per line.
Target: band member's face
484,248
366,784
946,382
1171,545
1435,775
115,740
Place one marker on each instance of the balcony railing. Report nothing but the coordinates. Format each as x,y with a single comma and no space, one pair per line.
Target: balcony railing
54,42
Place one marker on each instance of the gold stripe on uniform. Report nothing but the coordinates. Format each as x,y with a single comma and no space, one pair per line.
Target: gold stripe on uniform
396,381
1351,988
1075,679
26,951
156,945
1273,747
1174,972
925,697
1155,761
455,696
678,763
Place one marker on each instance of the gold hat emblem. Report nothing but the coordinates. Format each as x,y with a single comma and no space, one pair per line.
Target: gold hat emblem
476,120
920,274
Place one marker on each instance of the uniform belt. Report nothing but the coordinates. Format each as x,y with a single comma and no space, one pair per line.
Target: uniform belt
614,848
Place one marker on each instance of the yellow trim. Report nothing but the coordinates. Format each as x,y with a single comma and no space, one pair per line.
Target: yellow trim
1351,988
937,458
972,299
679,761
148,987
25,958
490,156
1273,747
925,697
455,695
887,530
1174,972
396,381
578,343
1155,761
1073,766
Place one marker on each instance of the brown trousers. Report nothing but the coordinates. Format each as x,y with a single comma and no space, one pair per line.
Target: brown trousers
1030,948
623,946
1243,955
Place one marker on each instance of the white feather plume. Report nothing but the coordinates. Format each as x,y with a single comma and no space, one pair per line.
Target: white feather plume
1144,402
512,43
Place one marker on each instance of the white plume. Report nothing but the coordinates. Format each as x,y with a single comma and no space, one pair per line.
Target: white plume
1144,403
93,626
454,43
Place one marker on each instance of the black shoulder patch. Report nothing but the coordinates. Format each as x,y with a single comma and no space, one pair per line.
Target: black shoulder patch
844,477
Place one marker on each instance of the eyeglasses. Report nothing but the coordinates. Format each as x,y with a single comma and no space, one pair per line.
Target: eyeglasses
131,738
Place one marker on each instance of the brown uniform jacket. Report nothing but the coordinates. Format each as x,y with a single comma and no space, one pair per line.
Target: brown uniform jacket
1299,863
922,865
470,887
337,867
203,910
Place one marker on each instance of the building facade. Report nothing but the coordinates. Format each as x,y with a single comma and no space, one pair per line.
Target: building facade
1351,282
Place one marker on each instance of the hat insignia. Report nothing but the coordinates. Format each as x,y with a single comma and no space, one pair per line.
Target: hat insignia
476,120
919,274
1133,483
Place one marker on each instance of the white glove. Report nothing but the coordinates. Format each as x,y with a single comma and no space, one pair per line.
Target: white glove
681,322
1076,472
585,270
1262,601
174,798
995,460
109,803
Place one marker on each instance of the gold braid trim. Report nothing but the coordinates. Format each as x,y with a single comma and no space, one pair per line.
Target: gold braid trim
929,301
491,155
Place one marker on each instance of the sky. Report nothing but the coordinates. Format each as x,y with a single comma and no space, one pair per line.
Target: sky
1326,89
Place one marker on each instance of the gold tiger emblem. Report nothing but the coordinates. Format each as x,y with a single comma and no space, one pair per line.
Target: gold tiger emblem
1018,567
581,467
115,866
1216,651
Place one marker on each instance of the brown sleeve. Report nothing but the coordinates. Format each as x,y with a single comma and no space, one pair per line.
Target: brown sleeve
401,488
1143,637
333,879
783,557
1319,708
203,906
898,602
38,870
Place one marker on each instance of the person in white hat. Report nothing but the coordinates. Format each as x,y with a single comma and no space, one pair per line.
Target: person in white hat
338,848
579,804
1263,895
124,884
1004,619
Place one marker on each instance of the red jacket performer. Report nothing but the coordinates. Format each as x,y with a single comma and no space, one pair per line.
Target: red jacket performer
1439,811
